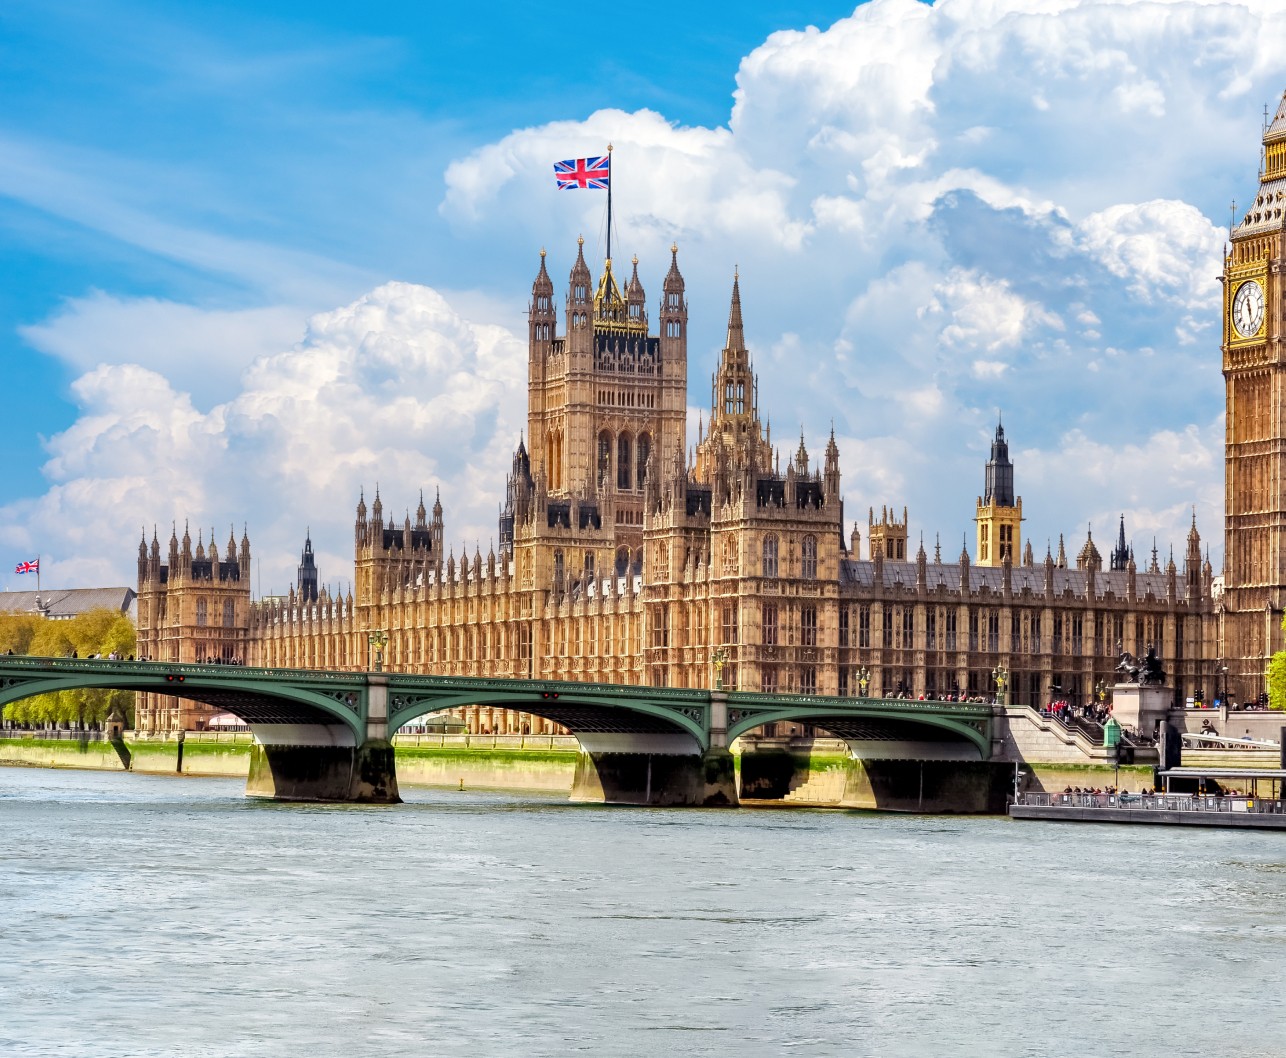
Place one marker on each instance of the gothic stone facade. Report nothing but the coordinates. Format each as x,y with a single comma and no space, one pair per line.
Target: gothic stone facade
626,558
193,607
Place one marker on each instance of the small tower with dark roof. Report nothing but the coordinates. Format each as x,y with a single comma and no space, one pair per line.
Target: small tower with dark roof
1000,513
306,580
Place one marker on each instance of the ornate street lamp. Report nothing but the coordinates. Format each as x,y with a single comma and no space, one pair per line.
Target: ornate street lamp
719,658
863,679
1001,675
377,642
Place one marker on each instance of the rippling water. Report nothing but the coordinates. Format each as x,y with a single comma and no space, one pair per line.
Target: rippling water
164,916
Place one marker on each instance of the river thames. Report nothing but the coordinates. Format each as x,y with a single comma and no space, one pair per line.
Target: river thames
149,915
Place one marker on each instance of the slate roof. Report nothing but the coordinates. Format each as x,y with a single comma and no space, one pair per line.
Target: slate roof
62,604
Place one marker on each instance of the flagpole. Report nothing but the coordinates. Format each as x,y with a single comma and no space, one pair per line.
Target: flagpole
609,202
37,573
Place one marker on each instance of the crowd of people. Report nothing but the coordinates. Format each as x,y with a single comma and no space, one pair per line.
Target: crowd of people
950,696
117,655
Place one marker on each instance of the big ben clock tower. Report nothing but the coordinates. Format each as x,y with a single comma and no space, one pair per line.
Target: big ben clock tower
1254,369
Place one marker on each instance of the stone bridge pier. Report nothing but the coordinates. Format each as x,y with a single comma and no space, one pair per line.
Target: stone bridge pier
326,761
638,745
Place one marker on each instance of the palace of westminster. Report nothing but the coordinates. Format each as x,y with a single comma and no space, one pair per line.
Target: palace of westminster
624,559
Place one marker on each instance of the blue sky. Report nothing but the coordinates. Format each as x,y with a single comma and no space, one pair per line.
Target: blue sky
322,129
938,212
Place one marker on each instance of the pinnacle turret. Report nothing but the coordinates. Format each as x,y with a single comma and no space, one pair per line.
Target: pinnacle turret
579,278
1121,553
673,278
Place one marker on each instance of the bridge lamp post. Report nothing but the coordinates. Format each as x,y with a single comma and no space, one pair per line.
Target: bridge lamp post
1001,675
863,679
719,658
377,641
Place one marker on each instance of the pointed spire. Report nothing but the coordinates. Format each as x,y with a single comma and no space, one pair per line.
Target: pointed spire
736,331
1062,554
937,547
673,278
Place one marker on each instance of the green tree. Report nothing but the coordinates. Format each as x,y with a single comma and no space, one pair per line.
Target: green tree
17,631
1277,681
98,631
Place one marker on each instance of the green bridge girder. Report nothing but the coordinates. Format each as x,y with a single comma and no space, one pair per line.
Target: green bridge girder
263,696
307,696
865,718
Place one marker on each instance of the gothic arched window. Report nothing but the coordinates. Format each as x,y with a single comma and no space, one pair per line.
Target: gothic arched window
770,556
604,458
808,558
558,569
623,445
201,613
227,613
645,449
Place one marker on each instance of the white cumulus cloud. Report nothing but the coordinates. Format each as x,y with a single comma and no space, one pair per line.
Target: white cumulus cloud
395,388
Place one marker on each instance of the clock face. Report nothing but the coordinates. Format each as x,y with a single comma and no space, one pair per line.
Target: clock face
1248,308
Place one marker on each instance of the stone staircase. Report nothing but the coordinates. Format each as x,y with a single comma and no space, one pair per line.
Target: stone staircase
822,788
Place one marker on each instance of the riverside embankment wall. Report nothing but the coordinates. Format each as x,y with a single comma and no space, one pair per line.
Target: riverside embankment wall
806,772
821,773
533,763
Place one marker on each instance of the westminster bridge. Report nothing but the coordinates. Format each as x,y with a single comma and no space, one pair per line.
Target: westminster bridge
325,735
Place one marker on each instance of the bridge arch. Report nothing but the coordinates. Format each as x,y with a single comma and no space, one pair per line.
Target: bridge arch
873,719
583,708
277,700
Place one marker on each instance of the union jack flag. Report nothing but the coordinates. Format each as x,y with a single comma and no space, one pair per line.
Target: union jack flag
584,172
28,567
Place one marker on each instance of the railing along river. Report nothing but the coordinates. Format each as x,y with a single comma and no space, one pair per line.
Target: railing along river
1155,802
